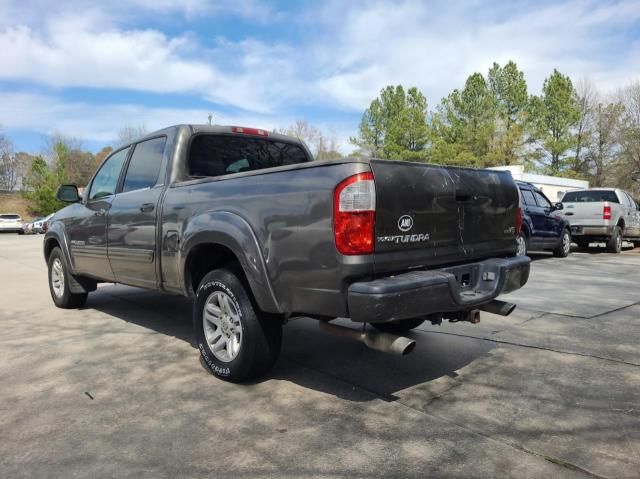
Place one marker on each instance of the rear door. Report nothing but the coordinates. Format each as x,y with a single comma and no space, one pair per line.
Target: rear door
133,216
631,219
536,214
428,214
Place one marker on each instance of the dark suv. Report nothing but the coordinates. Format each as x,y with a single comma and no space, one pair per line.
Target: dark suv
541,228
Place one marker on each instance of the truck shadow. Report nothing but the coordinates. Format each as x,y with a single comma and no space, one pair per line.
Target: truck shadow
310,358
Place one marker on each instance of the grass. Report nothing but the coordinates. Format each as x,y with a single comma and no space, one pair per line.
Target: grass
13,202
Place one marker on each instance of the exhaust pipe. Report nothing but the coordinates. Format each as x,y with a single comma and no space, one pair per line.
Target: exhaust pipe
384,342
498,307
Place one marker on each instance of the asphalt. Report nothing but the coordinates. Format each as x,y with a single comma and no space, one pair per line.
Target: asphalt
116,389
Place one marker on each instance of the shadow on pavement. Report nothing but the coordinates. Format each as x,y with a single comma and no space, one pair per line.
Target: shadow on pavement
306,350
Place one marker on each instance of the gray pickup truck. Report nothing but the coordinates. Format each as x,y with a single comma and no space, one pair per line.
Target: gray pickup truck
245,222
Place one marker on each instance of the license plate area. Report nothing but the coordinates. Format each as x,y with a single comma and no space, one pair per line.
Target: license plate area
576,230
466,276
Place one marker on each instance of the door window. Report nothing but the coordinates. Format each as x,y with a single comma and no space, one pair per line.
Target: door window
144,166
527,196
543,202
106,180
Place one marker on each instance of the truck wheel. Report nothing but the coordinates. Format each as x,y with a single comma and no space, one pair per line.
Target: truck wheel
523,244
614,245
59,283
563,248
236,342
399,327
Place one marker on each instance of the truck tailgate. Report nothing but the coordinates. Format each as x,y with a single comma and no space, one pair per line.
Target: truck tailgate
429,215
585,213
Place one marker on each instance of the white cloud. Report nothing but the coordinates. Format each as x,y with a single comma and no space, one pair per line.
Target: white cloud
87,51
48,114
435,47
352,50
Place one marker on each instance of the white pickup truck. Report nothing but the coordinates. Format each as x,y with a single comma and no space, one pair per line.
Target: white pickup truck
602,215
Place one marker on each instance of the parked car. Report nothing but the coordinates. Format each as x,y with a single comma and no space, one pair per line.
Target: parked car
28,227
10,222
606,215
542,227
245,222
40,224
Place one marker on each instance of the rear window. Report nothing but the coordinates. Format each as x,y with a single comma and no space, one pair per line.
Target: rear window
10,217
527,196
592,196
217,155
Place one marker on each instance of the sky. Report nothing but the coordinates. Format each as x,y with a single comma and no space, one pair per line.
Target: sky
85,69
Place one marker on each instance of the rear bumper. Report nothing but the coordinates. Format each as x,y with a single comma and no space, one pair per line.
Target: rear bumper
601,231
419,293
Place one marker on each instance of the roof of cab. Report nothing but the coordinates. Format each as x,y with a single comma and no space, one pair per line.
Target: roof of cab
226,129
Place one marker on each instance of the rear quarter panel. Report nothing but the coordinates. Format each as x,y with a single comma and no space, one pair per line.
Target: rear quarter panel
290,213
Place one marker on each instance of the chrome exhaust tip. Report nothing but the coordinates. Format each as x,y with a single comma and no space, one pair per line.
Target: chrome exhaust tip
496,306
384,342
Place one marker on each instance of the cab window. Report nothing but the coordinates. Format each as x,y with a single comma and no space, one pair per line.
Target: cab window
106,180
144,166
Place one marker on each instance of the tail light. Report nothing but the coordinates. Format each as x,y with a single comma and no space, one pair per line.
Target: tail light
519,221
354,213
606,212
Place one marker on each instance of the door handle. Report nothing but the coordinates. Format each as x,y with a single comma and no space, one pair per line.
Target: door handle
101,212
147,207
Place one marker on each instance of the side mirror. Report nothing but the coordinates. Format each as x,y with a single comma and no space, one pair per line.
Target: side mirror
68,194
558,206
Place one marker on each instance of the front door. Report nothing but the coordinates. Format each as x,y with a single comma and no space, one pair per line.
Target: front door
551,224
133,215
88,230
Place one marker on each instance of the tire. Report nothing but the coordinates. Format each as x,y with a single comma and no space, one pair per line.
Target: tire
522,241
636,244
59,283
249,341
563,248
399,327
614,244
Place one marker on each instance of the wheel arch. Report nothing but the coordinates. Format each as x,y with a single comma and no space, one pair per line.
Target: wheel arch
218,238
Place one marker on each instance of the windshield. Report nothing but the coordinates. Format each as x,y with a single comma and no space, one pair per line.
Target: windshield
10,217
590,196
216,155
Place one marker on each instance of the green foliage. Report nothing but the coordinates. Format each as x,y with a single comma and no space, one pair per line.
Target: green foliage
39,188
465,123
68,164
554,114
394,126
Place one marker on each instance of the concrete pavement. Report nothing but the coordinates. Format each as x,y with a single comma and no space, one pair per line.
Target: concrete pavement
116,389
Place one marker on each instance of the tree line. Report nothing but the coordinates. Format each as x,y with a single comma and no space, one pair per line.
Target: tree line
569,129
62,161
